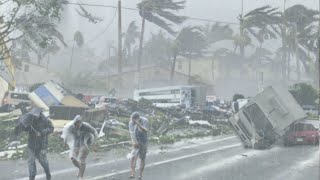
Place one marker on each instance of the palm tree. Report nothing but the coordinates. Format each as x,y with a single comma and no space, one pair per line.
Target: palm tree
301,20
298,35
157,49
158,12
217,32
79,40
189,43
131,36
260,23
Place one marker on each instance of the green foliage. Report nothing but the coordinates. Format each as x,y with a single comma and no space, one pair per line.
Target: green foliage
191,42
304,93
78,38
167,139
160,11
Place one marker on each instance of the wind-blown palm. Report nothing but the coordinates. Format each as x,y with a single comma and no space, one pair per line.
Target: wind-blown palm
299,36
260,23
189,43
131,36
158,12
217,32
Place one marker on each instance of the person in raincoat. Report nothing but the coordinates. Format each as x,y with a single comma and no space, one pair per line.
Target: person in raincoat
38,127
138,129
79,136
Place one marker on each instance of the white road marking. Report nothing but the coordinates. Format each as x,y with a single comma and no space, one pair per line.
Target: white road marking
64,171
169,161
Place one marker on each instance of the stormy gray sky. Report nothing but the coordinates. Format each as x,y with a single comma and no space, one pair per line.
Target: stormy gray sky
99,35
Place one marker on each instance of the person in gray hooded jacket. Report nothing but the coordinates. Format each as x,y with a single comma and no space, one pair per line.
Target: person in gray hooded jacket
79,136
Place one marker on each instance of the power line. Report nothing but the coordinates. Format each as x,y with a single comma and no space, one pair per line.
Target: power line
103,31
134,9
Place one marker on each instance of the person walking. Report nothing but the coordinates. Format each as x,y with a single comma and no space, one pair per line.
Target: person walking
79,136
38,127
138,129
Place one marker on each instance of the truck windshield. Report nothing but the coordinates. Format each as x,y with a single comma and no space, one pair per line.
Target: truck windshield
255,115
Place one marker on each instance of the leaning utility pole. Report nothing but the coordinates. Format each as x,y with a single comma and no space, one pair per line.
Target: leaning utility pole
119,38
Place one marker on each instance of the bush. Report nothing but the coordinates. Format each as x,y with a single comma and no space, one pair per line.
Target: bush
167,139
304,94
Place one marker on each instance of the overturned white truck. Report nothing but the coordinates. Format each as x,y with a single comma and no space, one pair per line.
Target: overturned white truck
266,117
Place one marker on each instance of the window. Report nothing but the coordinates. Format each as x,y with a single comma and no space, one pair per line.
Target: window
163,92
256,116
19,96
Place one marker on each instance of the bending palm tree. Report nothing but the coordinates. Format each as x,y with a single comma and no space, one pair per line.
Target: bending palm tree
189,43
131,36
158,12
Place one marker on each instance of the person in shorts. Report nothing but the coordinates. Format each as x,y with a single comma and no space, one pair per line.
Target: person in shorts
138,129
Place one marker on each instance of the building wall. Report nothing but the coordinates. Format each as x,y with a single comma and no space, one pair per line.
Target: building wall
29,74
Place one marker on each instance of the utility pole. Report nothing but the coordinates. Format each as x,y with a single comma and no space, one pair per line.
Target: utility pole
119,38
319,69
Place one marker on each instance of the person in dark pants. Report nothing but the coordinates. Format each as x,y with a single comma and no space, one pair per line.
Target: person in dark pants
39,128
138,128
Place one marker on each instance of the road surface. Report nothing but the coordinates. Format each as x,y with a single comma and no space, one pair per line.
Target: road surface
221,158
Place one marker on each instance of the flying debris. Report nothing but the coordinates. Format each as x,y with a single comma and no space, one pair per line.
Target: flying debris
84,13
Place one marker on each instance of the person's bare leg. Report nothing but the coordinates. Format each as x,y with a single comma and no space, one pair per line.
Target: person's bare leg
81,170
142,164
133,166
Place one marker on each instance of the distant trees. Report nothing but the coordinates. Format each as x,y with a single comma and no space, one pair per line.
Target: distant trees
304,93
158,12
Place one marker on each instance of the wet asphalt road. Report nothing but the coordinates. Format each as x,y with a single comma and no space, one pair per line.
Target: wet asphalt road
219,158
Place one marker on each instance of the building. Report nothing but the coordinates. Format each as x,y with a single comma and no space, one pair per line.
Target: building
152,76
226,77
28,74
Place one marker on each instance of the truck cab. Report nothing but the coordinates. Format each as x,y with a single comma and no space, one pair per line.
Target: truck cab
266,117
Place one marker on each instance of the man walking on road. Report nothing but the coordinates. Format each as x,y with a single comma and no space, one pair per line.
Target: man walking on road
38,127
138,128
79,136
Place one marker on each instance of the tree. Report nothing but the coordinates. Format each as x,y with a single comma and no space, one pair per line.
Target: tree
260,23
298,34
214,34
302,34
79,40
157,49
31,23
304,93
217,32
189,43
158,12
131,36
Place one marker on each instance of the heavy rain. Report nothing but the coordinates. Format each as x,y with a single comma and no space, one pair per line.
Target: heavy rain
159,89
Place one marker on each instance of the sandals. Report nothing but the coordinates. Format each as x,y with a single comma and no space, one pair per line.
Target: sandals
140,178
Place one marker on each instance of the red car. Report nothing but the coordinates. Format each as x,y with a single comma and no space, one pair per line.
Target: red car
303,132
